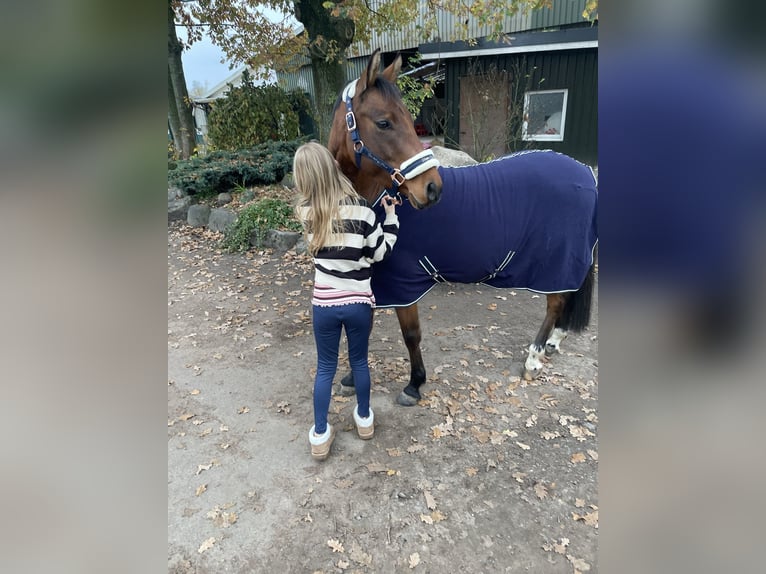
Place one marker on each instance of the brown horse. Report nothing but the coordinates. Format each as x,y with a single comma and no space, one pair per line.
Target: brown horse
373,131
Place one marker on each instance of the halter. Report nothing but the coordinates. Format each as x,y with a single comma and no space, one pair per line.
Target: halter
410,168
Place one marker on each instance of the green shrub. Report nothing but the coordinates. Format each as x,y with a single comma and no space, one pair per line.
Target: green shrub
250,114
222,171
259,217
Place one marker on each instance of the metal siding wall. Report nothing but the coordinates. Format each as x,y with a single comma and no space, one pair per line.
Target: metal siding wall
562,12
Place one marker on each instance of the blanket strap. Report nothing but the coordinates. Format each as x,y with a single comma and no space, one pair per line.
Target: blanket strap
502,266
430,268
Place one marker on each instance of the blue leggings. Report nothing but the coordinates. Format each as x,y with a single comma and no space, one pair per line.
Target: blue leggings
328,324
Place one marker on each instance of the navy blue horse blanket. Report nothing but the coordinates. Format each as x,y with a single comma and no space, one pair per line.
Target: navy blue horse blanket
524,221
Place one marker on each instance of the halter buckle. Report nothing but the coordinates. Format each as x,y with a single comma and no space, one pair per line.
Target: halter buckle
397,177
350,121
358,146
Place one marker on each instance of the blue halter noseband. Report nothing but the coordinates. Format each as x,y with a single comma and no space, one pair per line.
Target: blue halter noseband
409,169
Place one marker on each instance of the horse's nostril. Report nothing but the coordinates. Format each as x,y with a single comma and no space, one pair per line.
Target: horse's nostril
432,191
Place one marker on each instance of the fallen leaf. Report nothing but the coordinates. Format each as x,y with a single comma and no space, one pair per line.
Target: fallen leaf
577,457
591,519
206,432
593,454
415,448
541,491
547,435
561,547
426,518
206,545
519,476
471,471
201,467
345,483
414,559
343,564
523,446
437,516
430,501
579,502
335,545
243,410
200,489
194,392
393,452
531,421
186,417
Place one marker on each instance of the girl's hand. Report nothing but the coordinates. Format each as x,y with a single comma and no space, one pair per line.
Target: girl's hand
389,204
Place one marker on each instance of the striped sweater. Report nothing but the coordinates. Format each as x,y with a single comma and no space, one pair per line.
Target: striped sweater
342,270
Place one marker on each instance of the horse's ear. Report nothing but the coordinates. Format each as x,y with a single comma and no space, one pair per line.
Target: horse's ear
369,75
392,71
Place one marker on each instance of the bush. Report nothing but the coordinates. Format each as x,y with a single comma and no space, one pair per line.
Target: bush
250,115
222,171
259,217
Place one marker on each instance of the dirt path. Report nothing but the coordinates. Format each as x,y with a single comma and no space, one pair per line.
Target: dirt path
488,474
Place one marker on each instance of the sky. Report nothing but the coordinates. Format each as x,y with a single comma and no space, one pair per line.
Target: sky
202,64
203,61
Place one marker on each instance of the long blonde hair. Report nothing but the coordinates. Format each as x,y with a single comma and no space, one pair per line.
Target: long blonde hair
323,189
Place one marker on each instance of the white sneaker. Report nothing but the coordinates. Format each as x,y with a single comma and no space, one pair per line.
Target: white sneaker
365,428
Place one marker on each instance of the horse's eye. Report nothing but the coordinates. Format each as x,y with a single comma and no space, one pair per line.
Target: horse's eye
383,124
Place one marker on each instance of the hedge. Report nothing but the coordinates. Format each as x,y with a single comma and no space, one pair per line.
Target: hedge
222,171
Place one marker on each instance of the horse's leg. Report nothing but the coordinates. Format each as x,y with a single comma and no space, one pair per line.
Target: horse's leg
534,362
553,344
575,314
409,323
347,382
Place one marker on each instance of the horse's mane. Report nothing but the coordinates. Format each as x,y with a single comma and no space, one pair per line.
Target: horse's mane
389,90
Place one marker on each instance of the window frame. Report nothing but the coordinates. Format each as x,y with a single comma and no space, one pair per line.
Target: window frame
545,137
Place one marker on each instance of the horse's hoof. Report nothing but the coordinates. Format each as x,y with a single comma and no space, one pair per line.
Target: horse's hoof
347,387
530,375
551,350
406,400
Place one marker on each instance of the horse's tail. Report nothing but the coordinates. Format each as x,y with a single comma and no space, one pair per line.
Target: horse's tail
576,314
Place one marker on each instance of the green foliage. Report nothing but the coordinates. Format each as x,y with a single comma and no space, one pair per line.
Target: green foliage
414,93
222,171
258,218
250,115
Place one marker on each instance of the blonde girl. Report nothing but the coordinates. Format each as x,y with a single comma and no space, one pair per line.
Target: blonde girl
345,239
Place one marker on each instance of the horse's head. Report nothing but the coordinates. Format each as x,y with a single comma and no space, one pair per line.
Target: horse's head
374,141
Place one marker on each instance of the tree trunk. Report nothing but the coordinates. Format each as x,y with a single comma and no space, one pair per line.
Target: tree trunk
184,138
173,119
329,37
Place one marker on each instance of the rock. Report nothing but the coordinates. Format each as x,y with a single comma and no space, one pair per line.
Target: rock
452,157
224,198
220,219
288,181
176,193
178,208
247,195
198,215
301,247
279,240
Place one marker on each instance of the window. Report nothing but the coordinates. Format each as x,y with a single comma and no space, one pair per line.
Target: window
544,115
